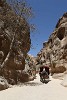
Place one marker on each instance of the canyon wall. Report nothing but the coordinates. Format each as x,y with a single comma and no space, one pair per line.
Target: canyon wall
54,51
14,44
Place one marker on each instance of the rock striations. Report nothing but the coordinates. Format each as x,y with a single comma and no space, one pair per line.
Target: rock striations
14,44
54,51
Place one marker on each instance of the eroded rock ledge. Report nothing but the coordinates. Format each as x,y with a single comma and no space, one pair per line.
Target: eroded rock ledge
54,51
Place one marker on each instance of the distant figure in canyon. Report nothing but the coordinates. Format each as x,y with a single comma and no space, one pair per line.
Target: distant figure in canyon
44,73
44,67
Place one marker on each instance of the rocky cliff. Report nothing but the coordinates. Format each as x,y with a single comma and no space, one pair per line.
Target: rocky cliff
54,51
14,44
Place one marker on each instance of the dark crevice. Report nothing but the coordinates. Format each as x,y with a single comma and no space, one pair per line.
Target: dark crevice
61,33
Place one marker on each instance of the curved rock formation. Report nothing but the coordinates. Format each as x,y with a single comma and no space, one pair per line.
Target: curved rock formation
14,41
54,51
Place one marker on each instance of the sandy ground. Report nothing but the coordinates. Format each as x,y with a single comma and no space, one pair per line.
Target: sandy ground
35,90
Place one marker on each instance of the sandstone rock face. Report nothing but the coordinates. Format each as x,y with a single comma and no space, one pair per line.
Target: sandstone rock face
3,84
30,66
14,40
54,51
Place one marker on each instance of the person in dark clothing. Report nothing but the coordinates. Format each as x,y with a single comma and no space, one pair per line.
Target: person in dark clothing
47,69
44,74
44,77
41,69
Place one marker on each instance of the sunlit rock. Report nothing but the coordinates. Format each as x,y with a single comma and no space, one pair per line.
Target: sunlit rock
54,50
14,42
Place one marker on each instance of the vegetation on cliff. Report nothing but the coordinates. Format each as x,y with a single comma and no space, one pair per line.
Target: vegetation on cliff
14,40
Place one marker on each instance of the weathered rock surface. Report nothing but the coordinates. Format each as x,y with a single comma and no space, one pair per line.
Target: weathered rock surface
54,51
30,66
3,84
14,42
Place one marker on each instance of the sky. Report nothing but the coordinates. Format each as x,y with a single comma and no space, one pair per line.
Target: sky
46,16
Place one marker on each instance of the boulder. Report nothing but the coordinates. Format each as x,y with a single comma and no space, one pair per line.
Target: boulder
58,76
64,82
23,76
3,83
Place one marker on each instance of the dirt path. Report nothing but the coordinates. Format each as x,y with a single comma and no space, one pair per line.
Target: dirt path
35,90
